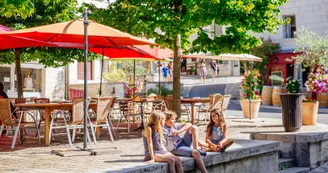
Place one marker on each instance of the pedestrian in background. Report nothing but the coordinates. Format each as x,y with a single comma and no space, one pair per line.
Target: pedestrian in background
214,68
202,71
170,68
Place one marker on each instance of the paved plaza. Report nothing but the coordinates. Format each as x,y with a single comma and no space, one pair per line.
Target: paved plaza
126,151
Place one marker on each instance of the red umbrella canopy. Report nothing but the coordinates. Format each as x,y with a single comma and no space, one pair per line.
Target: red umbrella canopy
73,32
8,41
158,52
125,52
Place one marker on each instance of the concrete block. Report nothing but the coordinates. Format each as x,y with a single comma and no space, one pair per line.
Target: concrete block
290,138
312,137
259,136
287,150
315,154
324,151
217,168
303,154
260,149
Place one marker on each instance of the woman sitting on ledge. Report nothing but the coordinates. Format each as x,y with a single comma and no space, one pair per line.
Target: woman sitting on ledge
217,133
154,144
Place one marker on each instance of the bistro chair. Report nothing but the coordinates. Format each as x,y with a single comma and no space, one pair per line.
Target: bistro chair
8,119
104,105
127,110
225,103
41,112
215,103
75,121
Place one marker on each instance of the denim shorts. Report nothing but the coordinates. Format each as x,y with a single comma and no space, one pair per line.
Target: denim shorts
183,148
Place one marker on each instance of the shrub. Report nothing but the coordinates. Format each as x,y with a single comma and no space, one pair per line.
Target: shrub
251,92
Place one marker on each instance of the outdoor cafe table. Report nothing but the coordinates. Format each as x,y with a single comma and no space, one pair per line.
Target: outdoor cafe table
48,108
193,101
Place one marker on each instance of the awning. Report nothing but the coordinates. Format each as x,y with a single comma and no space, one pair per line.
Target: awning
237,57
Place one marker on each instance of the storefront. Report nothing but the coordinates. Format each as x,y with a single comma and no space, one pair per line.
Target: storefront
280,67
32,79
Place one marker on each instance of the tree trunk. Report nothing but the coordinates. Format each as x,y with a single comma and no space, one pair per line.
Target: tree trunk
176,76
18,73
245,67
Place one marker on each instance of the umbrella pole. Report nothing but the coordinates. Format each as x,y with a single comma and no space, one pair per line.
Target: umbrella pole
159,77
251,93
86,23
134,77
101,72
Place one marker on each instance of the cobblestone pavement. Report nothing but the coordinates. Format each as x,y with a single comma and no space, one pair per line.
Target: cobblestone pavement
126,151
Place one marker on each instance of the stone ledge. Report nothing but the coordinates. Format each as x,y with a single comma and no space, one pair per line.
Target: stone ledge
241,149
312,137
295,137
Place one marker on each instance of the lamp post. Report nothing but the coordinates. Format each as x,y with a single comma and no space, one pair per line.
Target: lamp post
86,23
250,88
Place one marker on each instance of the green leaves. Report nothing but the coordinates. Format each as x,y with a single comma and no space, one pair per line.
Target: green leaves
41,12
312,48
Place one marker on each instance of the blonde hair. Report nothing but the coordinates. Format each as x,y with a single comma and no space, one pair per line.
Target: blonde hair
155,122
169,114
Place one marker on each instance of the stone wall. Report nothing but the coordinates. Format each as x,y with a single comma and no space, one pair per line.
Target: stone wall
244,156
309,149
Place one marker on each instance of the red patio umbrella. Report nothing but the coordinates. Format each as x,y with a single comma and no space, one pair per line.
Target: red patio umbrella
8,41
91,35
73,32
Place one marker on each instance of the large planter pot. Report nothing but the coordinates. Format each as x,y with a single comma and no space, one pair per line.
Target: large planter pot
291,105
255,107
309,113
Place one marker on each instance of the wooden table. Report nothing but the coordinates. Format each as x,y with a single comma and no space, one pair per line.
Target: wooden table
48,108
193,101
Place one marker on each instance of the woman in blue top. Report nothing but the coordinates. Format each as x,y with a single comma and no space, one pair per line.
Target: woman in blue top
217,132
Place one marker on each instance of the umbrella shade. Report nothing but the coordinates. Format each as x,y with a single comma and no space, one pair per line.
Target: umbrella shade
73,32
16,41
124,53
156,51
237,57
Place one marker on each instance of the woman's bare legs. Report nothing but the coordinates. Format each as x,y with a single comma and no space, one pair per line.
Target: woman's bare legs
199,161
168,158
193,130
174,162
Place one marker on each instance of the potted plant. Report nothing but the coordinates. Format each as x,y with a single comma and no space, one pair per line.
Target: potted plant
250,93
316,83
291,104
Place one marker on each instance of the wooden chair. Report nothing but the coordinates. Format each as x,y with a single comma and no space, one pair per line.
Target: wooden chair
41,112
127,110
215,103
75,121
104,105
8,119
225,103
184,108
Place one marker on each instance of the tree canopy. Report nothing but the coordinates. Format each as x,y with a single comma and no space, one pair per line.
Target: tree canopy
144,17
172,22
313,49
42,12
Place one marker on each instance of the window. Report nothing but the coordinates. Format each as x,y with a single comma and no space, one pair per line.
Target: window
32,80
290,28
80,70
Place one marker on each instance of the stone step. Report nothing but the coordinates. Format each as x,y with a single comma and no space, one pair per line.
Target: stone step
285,163
296,170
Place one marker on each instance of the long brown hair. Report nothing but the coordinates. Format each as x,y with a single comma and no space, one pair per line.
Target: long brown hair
155,122
211,124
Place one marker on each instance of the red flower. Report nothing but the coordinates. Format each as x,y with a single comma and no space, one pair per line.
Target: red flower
257,93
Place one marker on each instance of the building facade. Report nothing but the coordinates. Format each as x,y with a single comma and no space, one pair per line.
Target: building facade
311,14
